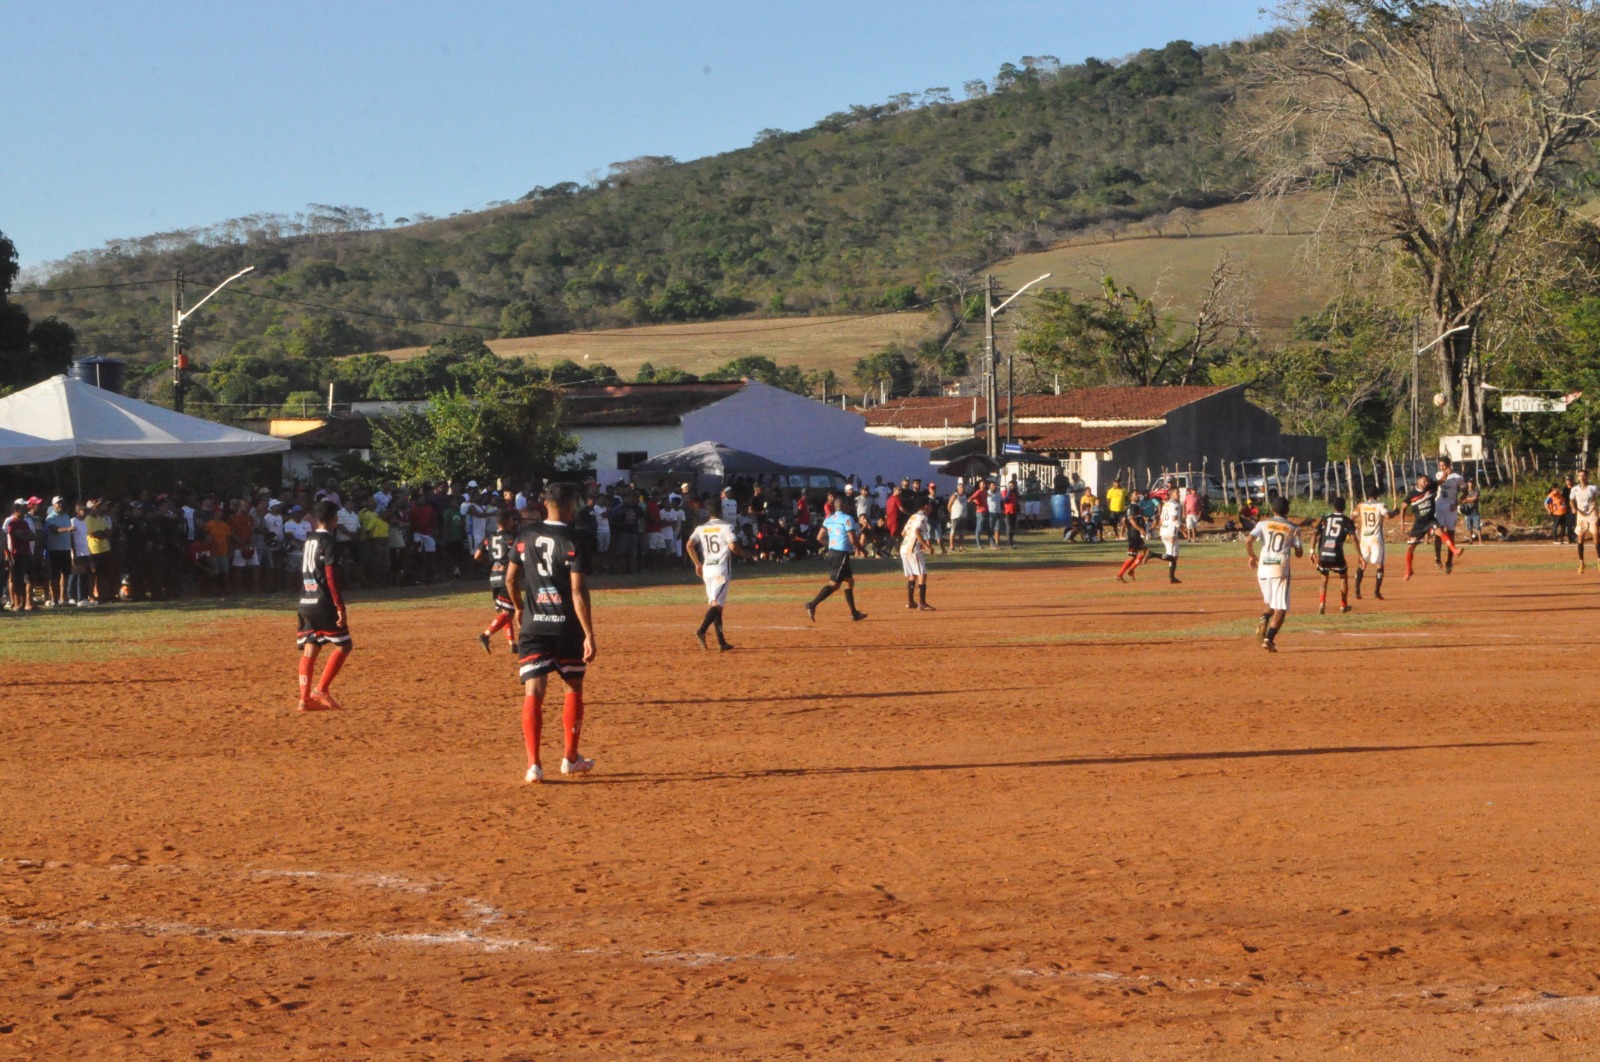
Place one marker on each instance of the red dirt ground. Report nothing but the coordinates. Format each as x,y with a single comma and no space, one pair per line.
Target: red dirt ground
1038,823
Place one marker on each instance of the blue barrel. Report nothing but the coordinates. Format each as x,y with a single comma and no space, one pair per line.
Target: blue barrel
104,373
1060,505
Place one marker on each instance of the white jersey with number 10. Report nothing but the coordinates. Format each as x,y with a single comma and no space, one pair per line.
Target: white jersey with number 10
1278,538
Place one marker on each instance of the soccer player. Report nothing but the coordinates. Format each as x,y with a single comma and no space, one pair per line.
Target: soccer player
914,548
842,535
712,548
1332,530
1279,536
1171,529
548,577
1584,496
1370,516
1447,503
497,547
322,614
1420,502
1134,526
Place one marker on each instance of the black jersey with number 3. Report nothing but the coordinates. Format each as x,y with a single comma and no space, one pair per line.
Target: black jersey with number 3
499,545
549,553
1332,530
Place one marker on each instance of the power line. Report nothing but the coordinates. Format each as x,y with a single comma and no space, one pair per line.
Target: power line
90,287
349,309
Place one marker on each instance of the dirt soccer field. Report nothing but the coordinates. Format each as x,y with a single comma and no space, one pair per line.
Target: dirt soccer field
1056,818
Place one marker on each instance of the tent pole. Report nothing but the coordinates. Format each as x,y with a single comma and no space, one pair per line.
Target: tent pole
77,470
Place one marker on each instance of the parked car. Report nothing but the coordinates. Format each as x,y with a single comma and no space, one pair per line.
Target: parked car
1268,475
1207,484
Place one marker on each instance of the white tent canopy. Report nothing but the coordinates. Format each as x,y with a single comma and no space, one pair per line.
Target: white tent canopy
19,449
89,422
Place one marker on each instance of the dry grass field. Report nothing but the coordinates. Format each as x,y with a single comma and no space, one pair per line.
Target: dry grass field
813,343
1175,267
1057,818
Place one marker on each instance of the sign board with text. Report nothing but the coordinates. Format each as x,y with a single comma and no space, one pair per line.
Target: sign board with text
1531,404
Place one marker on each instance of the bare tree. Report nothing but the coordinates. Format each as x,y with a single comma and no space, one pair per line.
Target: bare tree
1437,127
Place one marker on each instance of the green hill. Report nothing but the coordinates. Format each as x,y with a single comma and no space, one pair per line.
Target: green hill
868,208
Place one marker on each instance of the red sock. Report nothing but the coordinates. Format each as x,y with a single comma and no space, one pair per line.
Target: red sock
1127,566
572,721
1322,598
306,664
1411,552
532,725
1449,541
330,670
501,619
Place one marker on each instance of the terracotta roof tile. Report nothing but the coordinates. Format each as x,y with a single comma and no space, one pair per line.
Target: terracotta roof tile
340,433
1064,438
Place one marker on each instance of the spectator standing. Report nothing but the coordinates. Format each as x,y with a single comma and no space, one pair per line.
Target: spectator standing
99,529
19,545
58,547
1010,510
957,509
1191,514
1116,503
980,514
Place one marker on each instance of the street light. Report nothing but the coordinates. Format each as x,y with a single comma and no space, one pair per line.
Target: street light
180,360
992,364
1416,359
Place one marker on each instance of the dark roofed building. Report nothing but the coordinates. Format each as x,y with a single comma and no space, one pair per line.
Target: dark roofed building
1101,432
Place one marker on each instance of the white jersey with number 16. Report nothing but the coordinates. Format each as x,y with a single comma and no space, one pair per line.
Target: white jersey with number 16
715,540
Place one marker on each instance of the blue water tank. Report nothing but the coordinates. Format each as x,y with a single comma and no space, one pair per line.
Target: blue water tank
105,373
1059,506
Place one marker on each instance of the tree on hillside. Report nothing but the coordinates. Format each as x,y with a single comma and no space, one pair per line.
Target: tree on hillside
510,432
1437,127
29,351
1122,337
886,371
763,370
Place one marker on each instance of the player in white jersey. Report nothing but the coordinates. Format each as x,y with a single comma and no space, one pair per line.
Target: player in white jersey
914,547
1171,529
1279,537
712,547
1370,516
1446,508
1584,497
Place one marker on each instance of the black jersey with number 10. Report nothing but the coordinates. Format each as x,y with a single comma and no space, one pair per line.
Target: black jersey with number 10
549,553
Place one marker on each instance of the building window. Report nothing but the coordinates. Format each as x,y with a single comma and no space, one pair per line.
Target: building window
626,459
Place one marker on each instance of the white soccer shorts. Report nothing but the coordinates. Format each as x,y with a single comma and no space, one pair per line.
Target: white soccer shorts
1169,547
1275,591
1446,522
716,589
1372,552
1589,525
913,565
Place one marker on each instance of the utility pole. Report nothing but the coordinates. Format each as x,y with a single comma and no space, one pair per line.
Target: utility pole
989,366
180,360
1416,360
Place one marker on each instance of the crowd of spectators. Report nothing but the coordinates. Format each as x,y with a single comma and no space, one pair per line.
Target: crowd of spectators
136,547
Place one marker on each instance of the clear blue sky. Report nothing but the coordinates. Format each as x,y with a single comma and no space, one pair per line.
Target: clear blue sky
126,118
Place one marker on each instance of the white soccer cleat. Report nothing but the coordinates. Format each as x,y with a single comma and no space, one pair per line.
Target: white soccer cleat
577,766
535,774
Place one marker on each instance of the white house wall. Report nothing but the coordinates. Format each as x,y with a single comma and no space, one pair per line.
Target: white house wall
608,441
794,430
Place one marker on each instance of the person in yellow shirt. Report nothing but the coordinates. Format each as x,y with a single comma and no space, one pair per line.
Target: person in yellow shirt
1116,504
99,528
374,542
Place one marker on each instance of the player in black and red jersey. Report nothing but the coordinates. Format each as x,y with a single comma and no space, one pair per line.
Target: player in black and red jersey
322,615
547,577
1421,502
1332,530
1136,526
496,547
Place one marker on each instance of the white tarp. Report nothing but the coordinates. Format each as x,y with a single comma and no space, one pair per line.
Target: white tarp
91,422
19,449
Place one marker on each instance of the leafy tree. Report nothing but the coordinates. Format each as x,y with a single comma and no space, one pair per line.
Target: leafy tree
325,336
685,302
460,346
885,370
527,318
763,369
510,432
51,343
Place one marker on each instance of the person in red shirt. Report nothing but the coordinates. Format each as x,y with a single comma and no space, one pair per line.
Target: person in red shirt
891,514
1010,509
655,543
980,512
425,538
